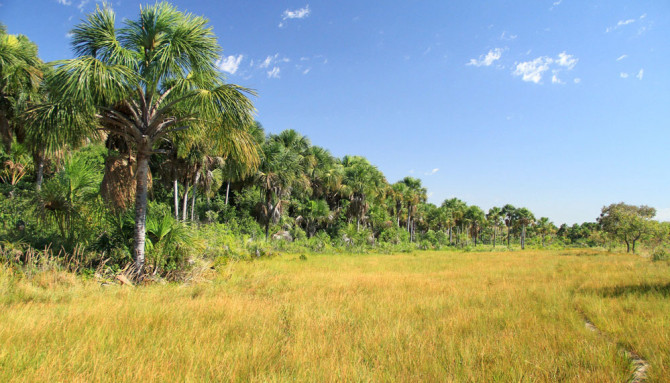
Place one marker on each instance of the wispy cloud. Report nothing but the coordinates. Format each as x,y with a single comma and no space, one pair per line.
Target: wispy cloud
229,64
430,173
533,70
623,75
487,60
577,80
622,23
507,36
621,57
64,2
82,4
640,74
274,73
299,13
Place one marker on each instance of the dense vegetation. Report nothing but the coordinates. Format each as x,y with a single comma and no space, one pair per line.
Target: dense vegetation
137,151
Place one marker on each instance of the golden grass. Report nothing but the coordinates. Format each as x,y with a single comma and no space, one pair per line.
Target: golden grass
431,316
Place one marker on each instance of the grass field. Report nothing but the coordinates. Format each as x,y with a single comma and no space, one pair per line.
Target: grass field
429,316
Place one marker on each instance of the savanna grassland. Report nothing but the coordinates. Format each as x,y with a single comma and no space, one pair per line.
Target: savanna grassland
428,316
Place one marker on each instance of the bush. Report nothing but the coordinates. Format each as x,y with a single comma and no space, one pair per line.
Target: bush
660,255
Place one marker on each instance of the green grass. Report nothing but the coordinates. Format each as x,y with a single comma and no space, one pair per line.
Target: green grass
429,316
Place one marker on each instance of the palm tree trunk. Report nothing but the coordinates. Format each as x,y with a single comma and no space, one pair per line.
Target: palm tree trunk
141,209
523,237
227,191
39,172
176,199
508,236
495,231
195,184
185,202
5,132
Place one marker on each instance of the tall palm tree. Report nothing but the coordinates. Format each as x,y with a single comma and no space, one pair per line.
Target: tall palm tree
415,194
475,217
509,213
362,182
278,173
154,76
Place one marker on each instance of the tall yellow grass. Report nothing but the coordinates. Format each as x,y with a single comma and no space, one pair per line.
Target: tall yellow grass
413,317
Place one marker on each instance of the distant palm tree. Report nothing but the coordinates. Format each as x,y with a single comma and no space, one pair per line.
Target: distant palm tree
524,218
278,173
494,217
509,214
150,79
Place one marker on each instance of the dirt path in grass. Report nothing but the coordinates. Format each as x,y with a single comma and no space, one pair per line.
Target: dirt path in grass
639,364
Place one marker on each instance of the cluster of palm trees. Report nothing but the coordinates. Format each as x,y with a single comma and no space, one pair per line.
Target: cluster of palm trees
151,91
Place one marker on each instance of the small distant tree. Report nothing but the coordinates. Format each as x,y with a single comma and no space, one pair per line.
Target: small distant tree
627,223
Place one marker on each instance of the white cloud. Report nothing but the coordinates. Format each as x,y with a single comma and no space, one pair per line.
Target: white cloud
299,13
69,35
557,2
274,73
577,80
566,60
623,75
621,57
229,64
64,2
488,59
532,71
640,74
306,70
430,173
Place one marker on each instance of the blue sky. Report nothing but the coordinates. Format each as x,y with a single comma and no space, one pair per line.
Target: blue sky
561,106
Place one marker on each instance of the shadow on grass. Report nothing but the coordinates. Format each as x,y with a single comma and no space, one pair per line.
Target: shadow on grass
641,289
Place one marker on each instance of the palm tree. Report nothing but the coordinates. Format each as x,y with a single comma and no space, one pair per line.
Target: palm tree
415,194
53,124
149,79
494,217
20,76
545,228
362,181
524,218
509,213
278,173
475,216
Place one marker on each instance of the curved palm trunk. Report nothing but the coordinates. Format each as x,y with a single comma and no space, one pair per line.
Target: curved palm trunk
141,209
227,192
185,202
